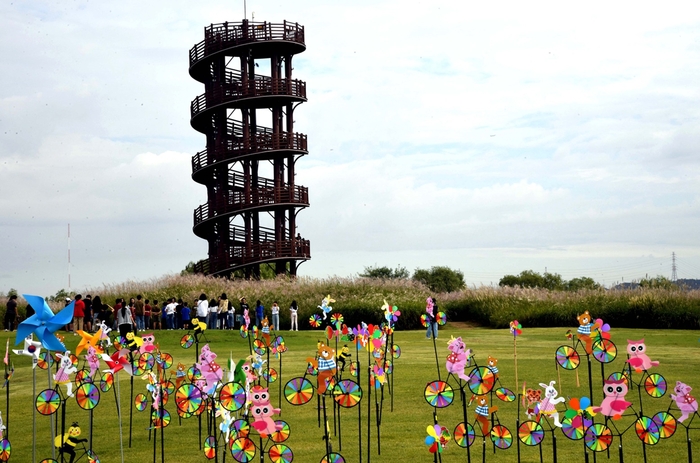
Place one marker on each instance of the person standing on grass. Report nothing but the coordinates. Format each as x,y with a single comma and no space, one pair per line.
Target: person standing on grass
78,313
259,313
185,316
213,314
97,309
138,311
87,320
125,321
202,308
293,309
11,313
170,313
147,315
155,315
275,316
223,312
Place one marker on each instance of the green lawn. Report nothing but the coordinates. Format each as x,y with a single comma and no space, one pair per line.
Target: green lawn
403,430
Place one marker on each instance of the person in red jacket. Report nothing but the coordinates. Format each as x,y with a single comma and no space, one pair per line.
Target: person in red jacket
78,313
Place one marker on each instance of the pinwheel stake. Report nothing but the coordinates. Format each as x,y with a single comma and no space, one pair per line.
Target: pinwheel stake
43,324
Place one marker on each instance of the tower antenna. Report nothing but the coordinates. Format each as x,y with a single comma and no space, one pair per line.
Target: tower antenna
674,275
68,258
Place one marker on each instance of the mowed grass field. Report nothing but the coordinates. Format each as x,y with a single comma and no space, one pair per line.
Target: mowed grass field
402,430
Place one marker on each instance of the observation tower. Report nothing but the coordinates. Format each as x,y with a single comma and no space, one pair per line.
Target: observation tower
247,115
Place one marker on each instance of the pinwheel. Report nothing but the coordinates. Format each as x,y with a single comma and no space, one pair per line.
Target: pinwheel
515,330
44,323
392,315
603,328
578,417
337,320
438,437
118,361
315,321
87,339
32,349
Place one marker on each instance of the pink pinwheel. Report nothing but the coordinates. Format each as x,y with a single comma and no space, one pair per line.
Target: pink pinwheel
438,437
44,323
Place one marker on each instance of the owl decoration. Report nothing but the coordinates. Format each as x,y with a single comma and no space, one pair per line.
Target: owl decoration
614,403
639,360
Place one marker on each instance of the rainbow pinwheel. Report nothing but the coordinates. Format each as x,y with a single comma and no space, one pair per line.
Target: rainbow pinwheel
516,328
578,417
392,314
438,437
44,323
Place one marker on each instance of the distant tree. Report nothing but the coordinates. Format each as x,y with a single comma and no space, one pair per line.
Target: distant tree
576,284
60,295
526,279
189,269
12,292
659,281
440,279
553,281
399,273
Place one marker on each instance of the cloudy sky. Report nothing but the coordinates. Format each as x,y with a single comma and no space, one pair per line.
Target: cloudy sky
491,137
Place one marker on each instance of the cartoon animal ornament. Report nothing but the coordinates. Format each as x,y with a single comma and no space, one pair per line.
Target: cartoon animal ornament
262,419
226,421
104,337
148,343
492,364
458,357
32,349
325,307
67,442
93,360
65,369
180,374
325,363
343,356
531,399
614,403
265,330
211,371
198,327
548,405
133,342
685,402
482,412
639,360
585,326
2,427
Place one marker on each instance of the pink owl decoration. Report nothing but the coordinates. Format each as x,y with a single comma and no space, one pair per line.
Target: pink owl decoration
639,360
614,403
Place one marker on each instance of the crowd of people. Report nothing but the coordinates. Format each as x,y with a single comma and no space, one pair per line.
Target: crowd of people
138,314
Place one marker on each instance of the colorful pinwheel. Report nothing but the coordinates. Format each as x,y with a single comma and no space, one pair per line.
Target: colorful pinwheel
580,413
337,320
392,314
315,321
44,323
516,328
438,437
603,328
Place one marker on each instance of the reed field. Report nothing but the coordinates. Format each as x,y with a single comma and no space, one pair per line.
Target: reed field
360,299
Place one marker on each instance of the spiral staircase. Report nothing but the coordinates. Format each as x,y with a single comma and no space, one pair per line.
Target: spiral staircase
249,219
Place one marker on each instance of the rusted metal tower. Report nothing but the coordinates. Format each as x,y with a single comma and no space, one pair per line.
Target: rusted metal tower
247,115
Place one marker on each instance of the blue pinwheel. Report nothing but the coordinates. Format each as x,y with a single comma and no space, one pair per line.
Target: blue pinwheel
44,323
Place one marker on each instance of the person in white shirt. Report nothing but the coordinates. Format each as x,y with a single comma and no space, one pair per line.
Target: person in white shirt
293,309
170,313
202,308
275,316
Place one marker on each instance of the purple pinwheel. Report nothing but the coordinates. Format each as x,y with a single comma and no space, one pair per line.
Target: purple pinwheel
44,323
